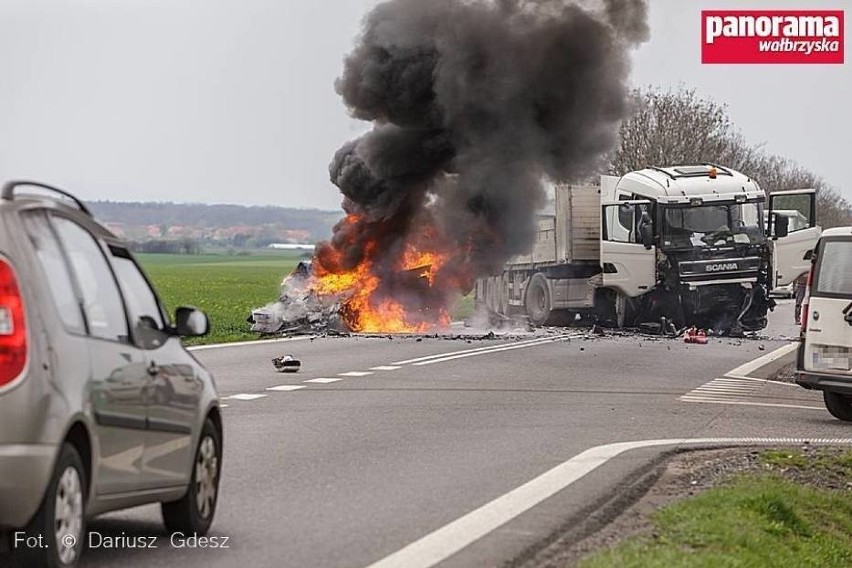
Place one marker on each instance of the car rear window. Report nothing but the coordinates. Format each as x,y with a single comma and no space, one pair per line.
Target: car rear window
835,269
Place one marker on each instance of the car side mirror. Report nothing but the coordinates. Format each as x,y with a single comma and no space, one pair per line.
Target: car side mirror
191,322
782,226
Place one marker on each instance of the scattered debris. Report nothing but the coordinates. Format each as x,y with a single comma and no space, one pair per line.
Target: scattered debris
694,335
287,364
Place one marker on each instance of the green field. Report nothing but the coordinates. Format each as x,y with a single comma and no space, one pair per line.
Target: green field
775,518
227,287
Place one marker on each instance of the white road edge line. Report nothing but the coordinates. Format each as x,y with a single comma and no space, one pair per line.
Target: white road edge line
748,368
355,374
496,350
711,400
246,343
450,539
385,368
478,349
323,381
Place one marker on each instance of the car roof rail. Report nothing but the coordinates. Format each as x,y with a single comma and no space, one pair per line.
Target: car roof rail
9,192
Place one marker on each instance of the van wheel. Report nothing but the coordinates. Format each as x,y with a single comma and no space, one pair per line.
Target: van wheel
193,514
840,406
61,520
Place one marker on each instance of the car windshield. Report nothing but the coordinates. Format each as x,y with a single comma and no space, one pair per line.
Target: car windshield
713,224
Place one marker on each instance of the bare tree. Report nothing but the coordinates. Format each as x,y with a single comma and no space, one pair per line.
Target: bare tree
679,127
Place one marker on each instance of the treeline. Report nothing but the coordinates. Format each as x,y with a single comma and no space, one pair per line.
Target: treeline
679,127
317,223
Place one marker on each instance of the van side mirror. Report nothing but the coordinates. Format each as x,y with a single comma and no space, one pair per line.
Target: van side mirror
191,322
781,227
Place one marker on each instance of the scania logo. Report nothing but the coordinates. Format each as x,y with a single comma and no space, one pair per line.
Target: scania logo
721,267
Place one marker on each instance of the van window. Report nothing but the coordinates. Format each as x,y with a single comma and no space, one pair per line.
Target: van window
835,269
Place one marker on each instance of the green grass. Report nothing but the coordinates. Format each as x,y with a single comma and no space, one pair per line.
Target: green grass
226,287
755,520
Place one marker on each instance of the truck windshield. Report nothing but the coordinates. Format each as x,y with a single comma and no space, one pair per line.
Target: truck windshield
713,224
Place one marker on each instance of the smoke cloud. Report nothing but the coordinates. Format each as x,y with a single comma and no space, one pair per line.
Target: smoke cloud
474,103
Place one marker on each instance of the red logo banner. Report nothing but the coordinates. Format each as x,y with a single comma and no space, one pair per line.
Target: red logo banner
772,36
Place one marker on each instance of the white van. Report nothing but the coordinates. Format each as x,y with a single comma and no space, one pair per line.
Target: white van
825,354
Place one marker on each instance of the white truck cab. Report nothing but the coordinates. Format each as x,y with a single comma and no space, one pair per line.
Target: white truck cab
713,248
825,352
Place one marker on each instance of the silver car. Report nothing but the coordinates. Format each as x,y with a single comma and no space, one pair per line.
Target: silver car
101,407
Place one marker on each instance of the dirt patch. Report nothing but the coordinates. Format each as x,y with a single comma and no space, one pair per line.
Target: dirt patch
686,475
786,374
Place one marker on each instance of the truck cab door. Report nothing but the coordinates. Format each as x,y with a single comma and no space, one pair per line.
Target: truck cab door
793,232
628,255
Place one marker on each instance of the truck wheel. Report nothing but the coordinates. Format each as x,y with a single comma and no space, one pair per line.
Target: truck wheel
537,301
840,406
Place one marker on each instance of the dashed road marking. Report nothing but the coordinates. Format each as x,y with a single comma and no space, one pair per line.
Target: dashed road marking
286,388
322,381
385,368
245,396
355,374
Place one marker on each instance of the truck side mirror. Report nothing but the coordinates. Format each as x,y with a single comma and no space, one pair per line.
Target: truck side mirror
647,234
782,226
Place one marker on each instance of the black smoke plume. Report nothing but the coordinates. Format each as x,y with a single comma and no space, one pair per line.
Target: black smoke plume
474,103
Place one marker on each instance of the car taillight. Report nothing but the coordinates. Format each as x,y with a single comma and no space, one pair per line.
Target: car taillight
13,329
807,300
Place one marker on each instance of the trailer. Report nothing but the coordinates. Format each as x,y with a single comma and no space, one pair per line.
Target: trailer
695,244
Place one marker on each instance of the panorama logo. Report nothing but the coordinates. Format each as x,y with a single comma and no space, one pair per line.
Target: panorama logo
722,267
772,36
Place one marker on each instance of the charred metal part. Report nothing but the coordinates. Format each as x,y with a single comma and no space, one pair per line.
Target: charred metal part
287,364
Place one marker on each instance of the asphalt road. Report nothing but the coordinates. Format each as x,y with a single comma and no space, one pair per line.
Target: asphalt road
404,436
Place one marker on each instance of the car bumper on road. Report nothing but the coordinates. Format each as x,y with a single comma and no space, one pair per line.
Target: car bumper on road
820,381
25,471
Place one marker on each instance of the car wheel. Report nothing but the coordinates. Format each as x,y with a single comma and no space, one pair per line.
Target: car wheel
60,522
193,514
840,406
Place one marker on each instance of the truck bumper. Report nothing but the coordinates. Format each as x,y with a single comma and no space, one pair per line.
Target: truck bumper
824,382
25,471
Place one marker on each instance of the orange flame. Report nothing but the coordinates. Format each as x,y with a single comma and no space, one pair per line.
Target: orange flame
364,307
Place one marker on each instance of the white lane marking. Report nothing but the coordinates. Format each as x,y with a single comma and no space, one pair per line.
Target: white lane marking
504,348
478,349
763,381
385,368
245,396
439,545
355,374
748,368
721,390
744,403
246,343
286,388
323,381
223,406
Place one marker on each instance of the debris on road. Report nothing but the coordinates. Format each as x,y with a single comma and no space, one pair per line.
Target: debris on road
287,364
694,335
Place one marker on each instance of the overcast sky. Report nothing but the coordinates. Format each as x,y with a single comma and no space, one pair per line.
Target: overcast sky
232,101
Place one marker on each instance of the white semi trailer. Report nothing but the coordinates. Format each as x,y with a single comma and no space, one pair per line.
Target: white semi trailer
694,244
